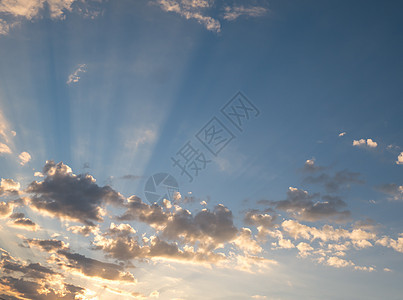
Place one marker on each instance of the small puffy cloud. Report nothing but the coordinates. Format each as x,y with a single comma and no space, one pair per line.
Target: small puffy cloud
400,159
23,223
66,195
337,262
24,157
365,143
342,133
75,76
84,230
4,149
304,249
392,189
232,13
311,167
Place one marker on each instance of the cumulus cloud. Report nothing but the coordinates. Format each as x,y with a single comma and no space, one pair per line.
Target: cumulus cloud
24,157
66,195
232,13
342,134
365,143
75,76
397,244
392,189
21,280
303,207
400,159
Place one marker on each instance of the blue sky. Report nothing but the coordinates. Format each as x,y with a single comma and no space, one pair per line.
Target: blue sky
303,202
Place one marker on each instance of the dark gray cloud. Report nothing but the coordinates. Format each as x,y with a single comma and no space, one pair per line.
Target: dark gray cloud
393,190
21,280
47,245
77,197
333,183
303,206
94,268
311,167
89,267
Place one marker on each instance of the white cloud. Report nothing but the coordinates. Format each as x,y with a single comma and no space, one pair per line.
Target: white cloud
192,9
75,76
337,262
342,133
400,159
8,185
234,12
368,143
4,149
31,8
24,157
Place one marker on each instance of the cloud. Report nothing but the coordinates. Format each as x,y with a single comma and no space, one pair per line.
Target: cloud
342,133
23,223
75,197
4,149
9,186
68,260
21,280
93,268
24,157
365,143
120,243
397,244
303,207
192,9
334,183
75,76
234,12
392,189
311,167
84,230
47,245
6,208
400,159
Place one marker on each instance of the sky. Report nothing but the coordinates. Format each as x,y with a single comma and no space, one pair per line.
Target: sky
201,149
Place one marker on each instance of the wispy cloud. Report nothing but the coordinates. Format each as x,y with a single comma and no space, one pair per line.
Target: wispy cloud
234,12
75,76
192,9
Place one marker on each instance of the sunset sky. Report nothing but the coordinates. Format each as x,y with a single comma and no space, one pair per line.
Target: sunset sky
201,149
